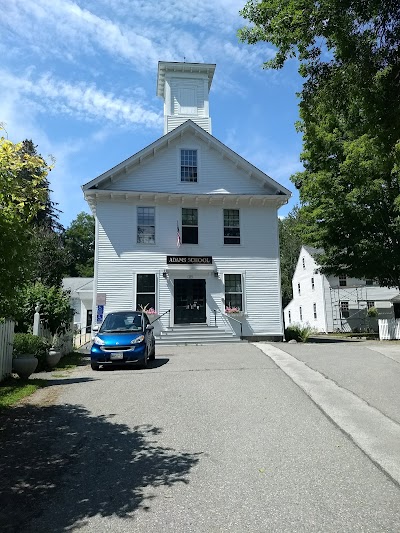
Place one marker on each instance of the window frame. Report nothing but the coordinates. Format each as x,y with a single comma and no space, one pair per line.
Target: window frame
145,225
370,303
301,313
137,274
290,317
315,310
312,284
189,226
342,280
299,289
304,263
344,309
242,293
180,166
223,228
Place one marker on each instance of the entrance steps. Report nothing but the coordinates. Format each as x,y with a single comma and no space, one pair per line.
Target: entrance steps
194,334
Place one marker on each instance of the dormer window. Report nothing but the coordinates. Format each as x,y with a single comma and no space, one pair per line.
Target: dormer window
189,165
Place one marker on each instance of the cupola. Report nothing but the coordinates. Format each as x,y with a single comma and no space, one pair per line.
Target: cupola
185,88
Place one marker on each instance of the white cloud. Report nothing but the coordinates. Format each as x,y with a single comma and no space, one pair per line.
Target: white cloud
139,33
82,100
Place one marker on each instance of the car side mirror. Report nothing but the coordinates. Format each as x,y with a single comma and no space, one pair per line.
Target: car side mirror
95,328
149,327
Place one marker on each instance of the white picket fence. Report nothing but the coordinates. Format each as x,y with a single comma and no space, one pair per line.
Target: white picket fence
6,347
389,329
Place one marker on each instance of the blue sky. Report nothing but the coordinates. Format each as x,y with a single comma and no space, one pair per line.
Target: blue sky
79,79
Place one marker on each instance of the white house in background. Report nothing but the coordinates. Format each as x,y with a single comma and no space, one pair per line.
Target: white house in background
329,303
188,227
81,293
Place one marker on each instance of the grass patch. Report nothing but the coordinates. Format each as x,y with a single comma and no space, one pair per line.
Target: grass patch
69,361
12,390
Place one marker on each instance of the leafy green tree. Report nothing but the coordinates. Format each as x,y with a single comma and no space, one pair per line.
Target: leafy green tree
348,51
20,202
54,302
79,242
49,256
290,238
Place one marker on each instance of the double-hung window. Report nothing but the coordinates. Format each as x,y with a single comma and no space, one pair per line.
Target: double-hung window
233,291
189,165
342,280
146,225
231,226
344,309
190,226
145,292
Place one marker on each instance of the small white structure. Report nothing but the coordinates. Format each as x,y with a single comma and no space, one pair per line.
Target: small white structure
186,226
81,294
330,304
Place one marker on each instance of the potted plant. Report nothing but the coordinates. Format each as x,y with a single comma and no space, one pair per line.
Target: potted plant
151,313
234,311
54,354
24,360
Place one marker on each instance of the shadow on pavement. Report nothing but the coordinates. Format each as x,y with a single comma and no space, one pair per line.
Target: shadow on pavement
159,361
332,340
63,460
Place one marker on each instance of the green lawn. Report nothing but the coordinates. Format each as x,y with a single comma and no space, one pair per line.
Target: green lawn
14,389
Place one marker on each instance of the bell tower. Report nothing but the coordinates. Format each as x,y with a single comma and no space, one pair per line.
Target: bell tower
185,89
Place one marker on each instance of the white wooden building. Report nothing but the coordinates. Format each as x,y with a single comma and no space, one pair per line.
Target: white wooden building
186,226
330,303
81,295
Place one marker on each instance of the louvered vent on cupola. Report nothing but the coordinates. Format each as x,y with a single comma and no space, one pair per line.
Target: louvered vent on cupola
185,89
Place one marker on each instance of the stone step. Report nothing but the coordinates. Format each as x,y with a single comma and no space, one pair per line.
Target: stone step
195,341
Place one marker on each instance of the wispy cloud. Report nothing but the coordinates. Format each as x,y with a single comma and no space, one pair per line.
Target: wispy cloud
139,33
82,100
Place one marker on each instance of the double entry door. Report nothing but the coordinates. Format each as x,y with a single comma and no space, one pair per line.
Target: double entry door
189,301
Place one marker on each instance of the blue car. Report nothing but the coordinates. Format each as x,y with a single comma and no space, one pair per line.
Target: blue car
124,338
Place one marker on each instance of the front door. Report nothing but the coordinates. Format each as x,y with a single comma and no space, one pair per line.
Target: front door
190,301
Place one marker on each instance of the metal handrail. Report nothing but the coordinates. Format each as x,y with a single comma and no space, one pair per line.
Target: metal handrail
78,333
231,317
169,311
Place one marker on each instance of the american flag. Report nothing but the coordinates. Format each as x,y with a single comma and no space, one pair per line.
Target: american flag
178,235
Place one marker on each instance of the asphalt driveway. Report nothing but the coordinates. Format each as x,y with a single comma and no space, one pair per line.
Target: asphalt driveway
211,439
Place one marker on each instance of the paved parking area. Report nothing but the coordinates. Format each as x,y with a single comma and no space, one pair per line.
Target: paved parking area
211,439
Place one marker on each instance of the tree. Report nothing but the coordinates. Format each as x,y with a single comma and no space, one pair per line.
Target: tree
350,118
20,202
291,240
79,242
54,303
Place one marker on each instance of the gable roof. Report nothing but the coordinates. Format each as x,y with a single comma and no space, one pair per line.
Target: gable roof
313,251
189,126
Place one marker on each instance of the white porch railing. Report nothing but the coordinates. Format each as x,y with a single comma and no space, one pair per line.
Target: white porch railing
6,347
389,329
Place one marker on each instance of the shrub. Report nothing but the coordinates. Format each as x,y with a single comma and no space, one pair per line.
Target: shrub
372,312
298,333
25,343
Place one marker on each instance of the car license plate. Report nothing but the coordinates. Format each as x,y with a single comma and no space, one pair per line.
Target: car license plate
116,356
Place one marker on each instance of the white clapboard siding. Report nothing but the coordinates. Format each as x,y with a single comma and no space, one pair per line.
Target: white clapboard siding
162,173
121,258
6,348
304,273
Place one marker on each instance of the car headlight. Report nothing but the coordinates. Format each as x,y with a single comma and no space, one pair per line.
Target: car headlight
98,341
138,339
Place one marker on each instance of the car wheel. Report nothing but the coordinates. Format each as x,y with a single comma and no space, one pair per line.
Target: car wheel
152,355
95,366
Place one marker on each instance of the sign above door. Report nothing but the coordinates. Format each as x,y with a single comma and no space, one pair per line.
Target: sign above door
189,260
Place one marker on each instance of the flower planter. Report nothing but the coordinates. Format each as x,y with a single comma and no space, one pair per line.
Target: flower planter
25,365
52,358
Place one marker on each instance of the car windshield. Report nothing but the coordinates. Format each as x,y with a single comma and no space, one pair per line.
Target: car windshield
121,323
